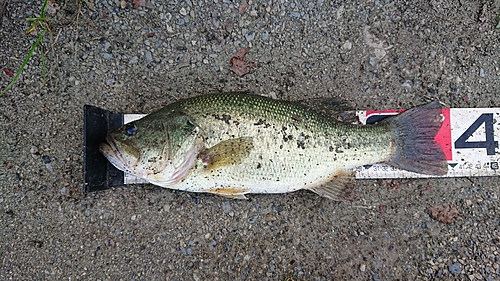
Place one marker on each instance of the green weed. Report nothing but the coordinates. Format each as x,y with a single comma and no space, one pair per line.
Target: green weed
41,21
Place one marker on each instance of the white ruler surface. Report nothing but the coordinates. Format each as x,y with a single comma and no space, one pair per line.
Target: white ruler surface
469,137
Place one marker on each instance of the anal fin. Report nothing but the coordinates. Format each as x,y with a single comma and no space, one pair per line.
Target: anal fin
337,188
227,153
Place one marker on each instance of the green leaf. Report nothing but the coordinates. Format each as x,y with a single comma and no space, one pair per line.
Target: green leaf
26,59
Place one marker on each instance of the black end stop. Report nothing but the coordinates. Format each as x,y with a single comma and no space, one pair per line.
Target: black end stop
98,173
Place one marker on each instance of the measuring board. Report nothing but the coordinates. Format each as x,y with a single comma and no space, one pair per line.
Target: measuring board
469,138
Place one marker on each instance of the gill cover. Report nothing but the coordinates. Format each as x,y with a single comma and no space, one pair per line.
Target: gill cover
185,142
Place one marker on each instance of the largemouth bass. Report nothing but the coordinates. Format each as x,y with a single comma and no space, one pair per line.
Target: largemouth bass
234,144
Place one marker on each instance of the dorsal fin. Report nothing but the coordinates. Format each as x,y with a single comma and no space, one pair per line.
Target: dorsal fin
334,108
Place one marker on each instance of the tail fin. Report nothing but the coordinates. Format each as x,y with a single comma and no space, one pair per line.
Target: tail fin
415,148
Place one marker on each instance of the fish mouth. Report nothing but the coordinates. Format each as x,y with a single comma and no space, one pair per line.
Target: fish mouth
111,151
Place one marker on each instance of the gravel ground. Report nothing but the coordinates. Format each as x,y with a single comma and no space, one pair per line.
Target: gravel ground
374,54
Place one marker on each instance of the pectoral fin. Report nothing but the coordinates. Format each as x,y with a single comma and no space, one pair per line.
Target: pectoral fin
337,188
234,193
227,153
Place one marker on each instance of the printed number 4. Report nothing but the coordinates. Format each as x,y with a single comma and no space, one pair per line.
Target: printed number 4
490,144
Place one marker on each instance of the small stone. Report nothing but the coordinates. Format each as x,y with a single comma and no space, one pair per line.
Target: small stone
380,53
149,56
272,267
133,60
215,23
408,83
264,35
249,36
226,207
347,45
46,159
373,61
110,243
295,14
107,56
243,7
133,217
253,219
182,11
187,251
362,267
455,268
481,72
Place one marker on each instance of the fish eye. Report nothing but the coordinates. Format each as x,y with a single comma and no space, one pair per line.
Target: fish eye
130,129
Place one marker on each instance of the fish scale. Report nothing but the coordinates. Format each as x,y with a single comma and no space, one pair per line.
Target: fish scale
278,163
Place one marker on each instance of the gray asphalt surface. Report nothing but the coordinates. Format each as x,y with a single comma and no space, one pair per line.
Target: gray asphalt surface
373,54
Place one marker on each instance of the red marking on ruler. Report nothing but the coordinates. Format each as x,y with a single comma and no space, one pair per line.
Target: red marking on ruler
443,137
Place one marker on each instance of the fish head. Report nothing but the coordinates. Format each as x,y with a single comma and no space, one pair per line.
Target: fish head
160,148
